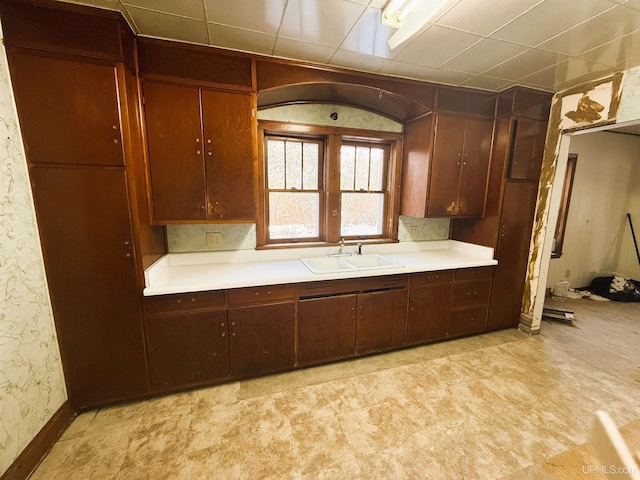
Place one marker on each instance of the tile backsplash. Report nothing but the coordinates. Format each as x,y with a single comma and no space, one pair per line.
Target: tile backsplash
193,238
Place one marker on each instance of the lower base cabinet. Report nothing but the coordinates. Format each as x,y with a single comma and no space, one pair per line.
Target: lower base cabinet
208,337
187,349
261,338
326,329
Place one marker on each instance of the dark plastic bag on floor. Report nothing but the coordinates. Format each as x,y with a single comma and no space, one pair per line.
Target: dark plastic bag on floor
616,288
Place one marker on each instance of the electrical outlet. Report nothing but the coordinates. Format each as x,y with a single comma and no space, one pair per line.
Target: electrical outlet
567,273
214,239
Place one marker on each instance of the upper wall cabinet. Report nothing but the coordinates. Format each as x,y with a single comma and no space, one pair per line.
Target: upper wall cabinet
68,110
446,162
202,153
527,148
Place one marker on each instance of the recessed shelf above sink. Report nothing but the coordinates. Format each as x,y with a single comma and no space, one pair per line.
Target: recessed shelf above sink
319,265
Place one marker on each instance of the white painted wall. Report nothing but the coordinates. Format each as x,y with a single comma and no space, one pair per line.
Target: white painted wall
31,382
627,264
604,182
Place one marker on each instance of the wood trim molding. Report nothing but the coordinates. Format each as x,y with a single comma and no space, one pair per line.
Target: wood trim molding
32,455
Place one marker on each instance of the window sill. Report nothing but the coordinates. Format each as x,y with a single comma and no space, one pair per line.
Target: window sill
347,243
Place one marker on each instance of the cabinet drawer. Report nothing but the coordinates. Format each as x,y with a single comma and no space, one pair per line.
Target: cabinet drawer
243,296
183,301
468,320
468,294
352,285
475,273
440,276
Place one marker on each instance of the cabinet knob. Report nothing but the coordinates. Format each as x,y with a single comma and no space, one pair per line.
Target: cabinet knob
209,153
208,140
127,255
198,152
222,324
197,140
115,140
233,334
223,334
115,127
193,299
233,324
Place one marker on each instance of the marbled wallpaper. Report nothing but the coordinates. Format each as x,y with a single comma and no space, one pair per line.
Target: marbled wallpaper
31,381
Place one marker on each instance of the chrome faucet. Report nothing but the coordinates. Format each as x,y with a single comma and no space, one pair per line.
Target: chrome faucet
340,252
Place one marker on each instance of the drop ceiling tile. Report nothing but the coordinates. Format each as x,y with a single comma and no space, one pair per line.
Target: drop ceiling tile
607,26
369,35
357,61
525,64
628,63
239,39
258,15
566,74
630,3
483,17
484,55
613,53
160,25
447,77
435,46
548,19
488,83
184,8
326,22
108,4
405,70
296,50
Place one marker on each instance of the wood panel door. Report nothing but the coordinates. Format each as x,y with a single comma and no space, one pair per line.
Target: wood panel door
475,167
429,311
516,224
528,149
176,152
187,349
326,328
231,155
68,110
446,163
261,338
382,320
87,242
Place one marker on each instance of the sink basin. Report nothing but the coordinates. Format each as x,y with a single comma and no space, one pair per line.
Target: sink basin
326,264
346,264
371,261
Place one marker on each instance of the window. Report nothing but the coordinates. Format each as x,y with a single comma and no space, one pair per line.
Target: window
322,184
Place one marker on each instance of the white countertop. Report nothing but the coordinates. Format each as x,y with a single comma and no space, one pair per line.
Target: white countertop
197,272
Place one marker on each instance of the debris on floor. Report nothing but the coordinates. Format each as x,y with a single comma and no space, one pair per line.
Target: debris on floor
558,315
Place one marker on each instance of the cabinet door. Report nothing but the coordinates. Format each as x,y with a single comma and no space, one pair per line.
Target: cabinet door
429,310
475,167
231,155
261,338
187,349
326,328
446,163
512,253
528,149
382,320
85,229
68,110
468,320
176,158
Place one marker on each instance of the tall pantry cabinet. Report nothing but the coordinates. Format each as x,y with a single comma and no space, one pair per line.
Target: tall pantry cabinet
71,82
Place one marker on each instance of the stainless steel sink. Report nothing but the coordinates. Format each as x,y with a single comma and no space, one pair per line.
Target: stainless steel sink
328,264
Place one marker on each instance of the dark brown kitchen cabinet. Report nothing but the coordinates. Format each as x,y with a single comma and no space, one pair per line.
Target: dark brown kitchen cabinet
528,142
202,153
261,338
187,349
68,110
87,242
512,252
187,339
446,163
470,296
429,306
326,328
381,321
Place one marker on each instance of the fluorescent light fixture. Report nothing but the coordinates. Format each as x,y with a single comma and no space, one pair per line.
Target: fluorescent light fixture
409,16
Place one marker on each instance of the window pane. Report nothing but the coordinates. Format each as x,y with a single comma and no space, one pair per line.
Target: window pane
310,166
361,214
294,165
294,215
347,165
275,164
376,169
362,168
